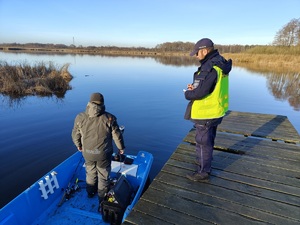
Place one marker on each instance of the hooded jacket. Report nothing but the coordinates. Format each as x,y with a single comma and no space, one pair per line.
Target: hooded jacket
205,78
94,130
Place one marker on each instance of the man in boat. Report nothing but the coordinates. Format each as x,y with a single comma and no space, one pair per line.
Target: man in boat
93,134
208,96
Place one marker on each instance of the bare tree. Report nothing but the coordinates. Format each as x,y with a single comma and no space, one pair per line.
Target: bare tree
289,34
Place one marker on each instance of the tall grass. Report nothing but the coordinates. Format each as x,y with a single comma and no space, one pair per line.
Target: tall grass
278,63
278,50
23,79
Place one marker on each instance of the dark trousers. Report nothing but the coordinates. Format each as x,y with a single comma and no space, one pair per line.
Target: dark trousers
205,140
97,178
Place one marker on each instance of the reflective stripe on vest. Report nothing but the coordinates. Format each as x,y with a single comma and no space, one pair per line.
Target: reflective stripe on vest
214,105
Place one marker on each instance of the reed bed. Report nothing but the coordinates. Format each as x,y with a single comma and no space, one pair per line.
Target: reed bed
43,79
281,70
279,63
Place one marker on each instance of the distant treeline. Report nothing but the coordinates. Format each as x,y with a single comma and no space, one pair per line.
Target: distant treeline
172,48
178,46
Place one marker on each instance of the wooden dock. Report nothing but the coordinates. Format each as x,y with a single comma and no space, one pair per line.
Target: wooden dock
255,178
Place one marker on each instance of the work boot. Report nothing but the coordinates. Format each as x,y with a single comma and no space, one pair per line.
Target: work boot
200,177
90,195
91,190
198,164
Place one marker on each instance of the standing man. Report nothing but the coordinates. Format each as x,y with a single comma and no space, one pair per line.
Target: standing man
208,95
92,134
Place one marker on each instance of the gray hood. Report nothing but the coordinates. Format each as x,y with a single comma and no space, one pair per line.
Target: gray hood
94,110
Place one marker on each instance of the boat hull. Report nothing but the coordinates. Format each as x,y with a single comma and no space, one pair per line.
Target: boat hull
39,204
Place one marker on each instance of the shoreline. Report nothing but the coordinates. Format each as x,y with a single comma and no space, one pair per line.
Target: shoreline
133,52
282,63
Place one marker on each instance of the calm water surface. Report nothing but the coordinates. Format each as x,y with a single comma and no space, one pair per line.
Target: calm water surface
144,94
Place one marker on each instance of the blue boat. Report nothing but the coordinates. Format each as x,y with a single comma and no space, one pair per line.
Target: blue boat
60,197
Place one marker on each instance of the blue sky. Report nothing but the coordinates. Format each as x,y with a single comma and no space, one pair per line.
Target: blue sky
141,23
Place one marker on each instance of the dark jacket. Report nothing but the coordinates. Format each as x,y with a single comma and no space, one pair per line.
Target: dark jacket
94,130
204,83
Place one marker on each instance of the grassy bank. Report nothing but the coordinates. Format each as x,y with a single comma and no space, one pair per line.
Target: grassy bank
279,59
40,79
280,63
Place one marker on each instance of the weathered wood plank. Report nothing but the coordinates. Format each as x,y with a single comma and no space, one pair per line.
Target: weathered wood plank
285,167
222,203
224,180
275,127
196,209
252,146
234,192
149,211
249,169
137,217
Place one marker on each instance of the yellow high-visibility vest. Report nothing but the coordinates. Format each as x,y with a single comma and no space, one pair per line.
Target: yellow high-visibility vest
214,105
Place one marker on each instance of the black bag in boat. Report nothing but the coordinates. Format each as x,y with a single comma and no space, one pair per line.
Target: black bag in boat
116,201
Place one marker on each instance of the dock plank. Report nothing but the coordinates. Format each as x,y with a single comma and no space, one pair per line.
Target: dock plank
151,206
255,177
222,180
254,166
275,127
248,169
196,209
252,146
221,202
138,217
253,203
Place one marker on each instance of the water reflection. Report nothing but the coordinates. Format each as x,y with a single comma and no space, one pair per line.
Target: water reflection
18,101
177,61
12,102
285,87
283,84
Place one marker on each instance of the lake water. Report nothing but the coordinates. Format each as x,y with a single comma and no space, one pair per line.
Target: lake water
144,93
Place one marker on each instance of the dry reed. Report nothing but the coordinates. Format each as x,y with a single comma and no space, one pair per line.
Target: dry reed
41,79
269,62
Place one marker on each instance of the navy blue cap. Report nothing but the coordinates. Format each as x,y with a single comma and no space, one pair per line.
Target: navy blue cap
203,43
